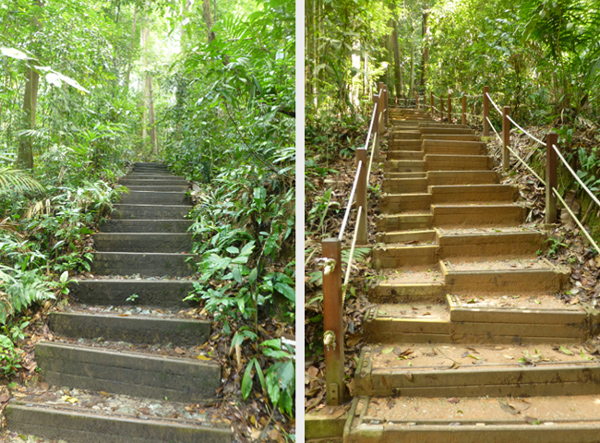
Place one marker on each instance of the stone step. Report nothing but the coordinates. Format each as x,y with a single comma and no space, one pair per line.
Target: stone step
154,176
400,145
559,419
444,162
152,197
150,293
146,264
483,193
405,256
159,188
410,287
497,244
149,165
86,425
389,203
151,211
132,329
429,322
128,373
146,225
476,370
142,242
466,215
154,182
462,177
444,147
411,134
436,124
503,277
402,222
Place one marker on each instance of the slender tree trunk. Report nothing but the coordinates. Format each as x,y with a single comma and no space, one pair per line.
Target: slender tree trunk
131,46
425,39
151,119
208,19
397,72
25,152
411,92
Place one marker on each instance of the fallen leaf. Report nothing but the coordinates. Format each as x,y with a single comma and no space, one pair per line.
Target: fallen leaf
387,350
203,357
44,386
69,399
408,376
453,400
507,407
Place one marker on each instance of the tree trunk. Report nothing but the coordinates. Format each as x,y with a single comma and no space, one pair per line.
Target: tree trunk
425,39
397,72
208,19
131,45
151,120
411,91
25,153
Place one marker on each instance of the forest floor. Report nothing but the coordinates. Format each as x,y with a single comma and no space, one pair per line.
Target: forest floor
565,247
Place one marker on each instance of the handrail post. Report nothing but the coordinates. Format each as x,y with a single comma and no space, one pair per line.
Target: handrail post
464,110
551,178
486,111
449,107
377,125
431,101
417,104
405,102
441,108
505,138
385,105
361,196
333,321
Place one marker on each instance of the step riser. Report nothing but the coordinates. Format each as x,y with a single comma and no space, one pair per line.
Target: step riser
462,178
135,375
517,245
405,166
405,186
149,212
77,427
407,134
456,163
522,433
153,182
160,294
482,216
144,264
406,257
153,176
515,282
104,242
130,329
404,145
473,194
405,237
492,383
396,223
155,198
427,331
455,150
155,226
405,155
444,130
388,293
402,203
159,188
452,137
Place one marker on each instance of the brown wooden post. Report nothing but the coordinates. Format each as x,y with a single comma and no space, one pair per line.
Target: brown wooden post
449,108
432,103
380,119
505,138
441,108
333,321
361,196
464,110
486,111
551,177
417,104
385,105
376,121
406,102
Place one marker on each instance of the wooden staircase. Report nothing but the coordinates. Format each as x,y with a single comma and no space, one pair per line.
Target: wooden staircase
466,341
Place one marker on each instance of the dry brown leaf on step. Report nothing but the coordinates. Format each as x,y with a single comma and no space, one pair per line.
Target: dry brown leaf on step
453,400
353,339
409,376
508,407
312,372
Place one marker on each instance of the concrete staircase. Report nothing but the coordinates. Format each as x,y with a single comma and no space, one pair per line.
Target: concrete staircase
115,354
466,341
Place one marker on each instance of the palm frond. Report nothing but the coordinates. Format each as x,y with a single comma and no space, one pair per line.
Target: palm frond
17,180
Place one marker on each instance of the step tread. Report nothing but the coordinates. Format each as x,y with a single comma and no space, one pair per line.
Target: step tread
434,357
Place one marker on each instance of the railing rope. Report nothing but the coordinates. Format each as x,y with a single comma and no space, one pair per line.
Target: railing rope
505,138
